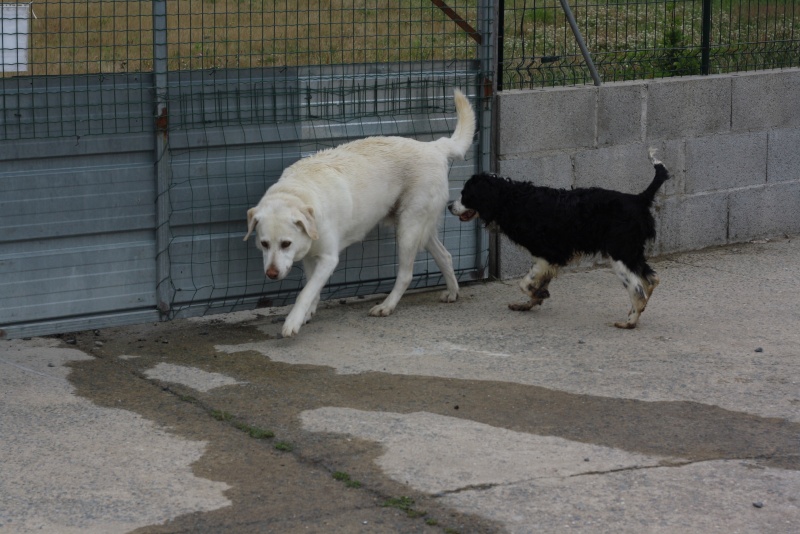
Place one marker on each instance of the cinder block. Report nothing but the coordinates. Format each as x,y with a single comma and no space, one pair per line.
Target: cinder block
545,119
619,113
691,222
513,261
764,100
552,170
720,162
765,211
783,159
625,168
688,107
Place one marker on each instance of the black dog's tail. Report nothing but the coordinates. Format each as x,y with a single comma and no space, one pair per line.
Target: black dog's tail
662,175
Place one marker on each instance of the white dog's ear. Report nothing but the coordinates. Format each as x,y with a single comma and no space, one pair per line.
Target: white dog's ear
251,222
305,219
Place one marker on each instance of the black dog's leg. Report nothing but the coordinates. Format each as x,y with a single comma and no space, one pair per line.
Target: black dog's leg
535,284
652,281
640,288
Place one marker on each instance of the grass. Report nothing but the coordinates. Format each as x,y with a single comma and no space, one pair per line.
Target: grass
221,415
406,504
646,39
252,431
630,39
345,478
79,36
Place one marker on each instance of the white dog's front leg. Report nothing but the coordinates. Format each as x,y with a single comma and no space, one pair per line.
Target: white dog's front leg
309,296
309,266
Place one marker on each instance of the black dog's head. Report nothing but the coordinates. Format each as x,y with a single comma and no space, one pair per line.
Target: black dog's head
478,198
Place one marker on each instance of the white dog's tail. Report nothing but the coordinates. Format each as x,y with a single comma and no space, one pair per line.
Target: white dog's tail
456,146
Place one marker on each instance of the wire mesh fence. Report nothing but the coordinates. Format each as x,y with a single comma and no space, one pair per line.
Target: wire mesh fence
230,93
251,89
101,36
91,40
85,41
640,39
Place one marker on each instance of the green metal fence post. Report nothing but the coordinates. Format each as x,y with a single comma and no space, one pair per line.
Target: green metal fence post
500,16
705,44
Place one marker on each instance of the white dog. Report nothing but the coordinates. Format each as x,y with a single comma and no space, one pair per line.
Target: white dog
324,203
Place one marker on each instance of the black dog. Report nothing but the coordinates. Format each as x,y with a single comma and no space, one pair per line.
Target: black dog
558,226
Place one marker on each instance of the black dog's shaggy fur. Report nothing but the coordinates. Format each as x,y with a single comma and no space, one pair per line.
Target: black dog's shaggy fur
558,225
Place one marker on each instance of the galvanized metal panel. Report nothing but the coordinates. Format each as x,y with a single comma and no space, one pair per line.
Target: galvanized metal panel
78,215
76,229
79,105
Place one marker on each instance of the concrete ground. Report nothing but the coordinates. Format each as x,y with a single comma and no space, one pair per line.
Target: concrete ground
464,417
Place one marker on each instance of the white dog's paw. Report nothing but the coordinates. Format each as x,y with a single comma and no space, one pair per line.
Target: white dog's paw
289,331
291,326
381,310
447,296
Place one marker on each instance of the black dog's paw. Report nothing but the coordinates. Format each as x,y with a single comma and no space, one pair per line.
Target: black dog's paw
525,306
541,293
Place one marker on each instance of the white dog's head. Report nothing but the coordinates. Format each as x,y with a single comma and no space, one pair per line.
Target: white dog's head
284,234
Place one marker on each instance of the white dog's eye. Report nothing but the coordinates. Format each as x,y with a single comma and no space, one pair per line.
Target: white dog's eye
265,244
286,244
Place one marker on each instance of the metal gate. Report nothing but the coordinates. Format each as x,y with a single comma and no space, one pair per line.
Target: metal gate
123,195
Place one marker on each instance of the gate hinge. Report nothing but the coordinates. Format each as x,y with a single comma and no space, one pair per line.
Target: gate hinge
162,120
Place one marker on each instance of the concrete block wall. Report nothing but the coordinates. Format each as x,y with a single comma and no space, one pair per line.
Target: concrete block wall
731,143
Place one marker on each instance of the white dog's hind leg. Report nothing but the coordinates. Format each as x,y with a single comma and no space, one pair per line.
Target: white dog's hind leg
309,296
444,261
405,271
408,244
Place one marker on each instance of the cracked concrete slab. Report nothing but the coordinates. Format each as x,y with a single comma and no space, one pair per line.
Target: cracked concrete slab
190,376
521,480
719,496
67,465
469,417
439,455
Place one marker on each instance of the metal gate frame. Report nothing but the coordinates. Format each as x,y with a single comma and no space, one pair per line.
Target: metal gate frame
163,85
